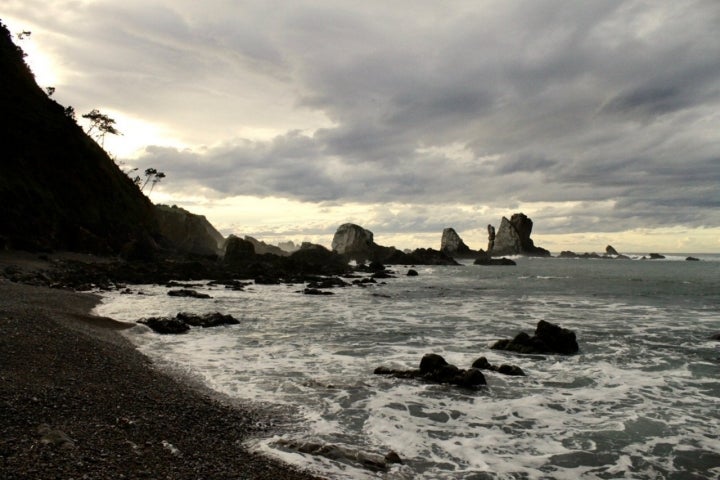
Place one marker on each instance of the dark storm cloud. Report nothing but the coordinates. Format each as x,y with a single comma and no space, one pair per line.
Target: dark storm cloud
608,108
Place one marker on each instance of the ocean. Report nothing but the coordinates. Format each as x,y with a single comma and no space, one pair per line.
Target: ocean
640,400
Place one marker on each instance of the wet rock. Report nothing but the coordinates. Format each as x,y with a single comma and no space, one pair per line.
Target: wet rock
165,325
483,364
434,369
342,453
412,273
692,259
185,292
207,320
610,250
315,291
715,337
548,339
656,256
488,260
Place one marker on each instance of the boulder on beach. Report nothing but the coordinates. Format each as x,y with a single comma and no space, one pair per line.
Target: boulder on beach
435,369
548,339
365,459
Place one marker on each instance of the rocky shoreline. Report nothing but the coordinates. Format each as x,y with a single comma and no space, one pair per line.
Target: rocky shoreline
79,401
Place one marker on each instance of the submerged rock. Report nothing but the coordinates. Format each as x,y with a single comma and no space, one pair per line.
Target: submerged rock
368,460
548,338
483,364
184,292
488,260
692,259
434,368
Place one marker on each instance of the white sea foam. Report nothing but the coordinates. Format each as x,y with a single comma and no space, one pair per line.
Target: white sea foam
639,401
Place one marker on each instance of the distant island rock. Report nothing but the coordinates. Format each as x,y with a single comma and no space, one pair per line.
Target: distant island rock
354,242
513,238
453,246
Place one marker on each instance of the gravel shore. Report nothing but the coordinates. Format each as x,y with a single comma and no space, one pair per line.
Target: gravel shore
77,401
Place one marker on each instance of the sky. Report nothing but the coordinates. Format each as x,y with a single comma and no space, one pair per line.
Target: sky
285,119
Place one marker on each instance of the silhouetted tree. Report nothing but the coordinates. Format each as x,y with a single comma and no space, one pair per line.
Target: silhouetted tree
50,91
70,112
101,124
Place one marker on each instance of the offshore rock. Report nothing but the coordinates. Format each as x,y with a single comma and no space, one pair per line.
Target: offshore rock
453,246
185,292
513,238
207,320
483,364
165,325
488,260
354,242
610,250
434,369
548,339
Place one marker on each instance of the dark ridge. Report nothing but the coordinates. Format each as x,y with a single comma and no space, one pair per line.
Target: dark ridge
58,188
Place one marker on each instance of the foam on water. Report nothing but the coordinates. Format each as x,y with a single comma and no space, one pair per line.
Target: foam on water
639,401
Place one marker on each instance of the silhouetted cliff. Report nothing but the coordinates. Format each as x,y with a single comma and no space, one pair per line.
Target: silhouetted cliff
58,188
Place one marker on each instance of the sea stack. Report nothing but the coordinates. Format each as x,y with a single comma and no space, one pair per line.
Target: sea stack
513,238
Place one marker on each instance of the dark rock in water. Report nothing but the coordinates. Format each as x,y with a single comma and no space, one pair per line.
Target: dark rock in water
184,292
483,364
434,368
487,260
453,246
182,322
432,361
715,337
412,273
692,259
491,238
315,291
656,256
165,325
513,238
610,250
368,460
328,282
548,339
207,320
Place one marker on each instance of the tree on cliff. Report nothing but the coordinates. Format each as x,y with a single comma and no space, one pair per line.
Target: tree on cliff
101,124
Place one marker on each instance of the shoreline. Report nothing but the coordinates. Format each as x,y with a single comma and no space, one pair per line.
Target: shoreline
80,401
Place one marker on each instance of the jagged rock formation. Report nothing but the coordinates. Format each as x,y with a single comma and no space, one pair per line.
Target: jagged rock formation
548,338
453,246
288,246
491,238
435,369
354,242
58,188
188,232
610,250
513,238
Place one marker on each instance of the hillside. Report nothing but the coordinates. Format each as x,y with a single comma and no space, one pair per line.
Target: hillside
58,188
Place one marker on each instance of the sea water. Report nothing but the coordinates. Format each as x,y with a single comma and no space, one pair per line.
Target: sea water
640,400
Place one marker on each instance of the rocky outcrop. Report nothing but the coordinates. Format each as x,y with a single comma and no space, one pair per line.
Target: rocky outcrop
610,250
354,242
188,232
491,238
453,246
182,322
488,260
434,369
238,251
548,339
186,292
513,238
505,369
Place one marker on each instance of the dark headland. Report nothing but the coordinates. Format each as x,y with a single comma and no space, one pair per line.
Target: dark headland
76,399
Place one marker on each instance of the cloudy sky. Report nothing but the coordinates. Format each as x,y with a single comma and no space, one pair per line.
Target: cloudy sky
283,119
